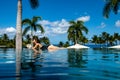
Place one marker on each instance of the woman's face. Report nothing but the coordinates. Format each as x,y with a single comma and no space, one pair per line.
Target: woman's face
34,41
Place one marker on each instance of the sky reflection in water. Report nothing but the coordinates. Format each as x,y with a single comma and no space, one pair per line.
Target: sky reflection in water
68,64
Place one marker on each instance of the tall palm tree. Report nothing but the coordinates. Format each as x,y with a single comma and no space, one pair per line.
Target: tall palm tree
76,30
111,5
34,4
32,25
71,37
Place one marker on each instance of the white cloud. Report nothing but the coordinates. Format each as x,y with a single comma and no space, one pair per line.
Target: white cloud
102,25
10,30
45,22
59,30
84,18
117,23
64,23
53,28
2,31
56,27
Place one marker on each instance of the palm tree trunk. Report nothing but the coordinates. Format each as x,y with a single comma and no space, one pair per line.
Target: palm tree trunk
18,27
18,38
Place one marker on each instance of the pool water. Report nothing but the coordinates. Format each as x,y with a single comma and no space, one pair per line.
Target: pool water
65,64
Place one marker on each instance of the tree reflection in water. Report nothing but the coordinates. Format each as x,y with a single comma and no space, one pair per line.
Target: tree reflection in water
29,61
108,54
77,57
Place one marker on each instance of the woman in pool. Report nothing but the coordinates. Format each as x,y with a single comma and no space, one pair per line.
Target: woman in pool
36,46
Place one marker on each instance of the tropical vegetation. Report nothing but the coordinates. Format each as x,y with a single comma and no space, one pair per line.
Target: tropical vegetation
111,5
106,39
5,41
66,44
102,39
32,25
75,31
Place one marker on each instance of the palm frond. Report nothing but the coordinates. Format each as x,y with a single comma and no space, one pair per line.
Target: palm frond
70,29
111,5
26,30
26,22
32,25
80,22
107,9
36,18
116,8
72,22
85,29
38,26
34,3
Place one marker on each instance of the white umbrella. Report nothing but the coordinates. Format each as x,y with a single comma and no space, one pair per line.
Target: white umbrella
118,46
77,46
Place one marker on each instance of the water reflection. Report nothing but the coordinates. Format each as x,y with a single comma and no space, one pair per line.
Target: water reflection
4,50
26,62
29,60
63,64
77,57
18,64
108,54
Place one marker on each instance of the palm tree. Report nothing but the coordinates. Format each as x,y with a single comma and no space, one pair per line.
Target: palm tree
116,35
61,44
76,30
66,44
34,4
32,25
71,37
5,37
100,41
95,39
105,37
111,40
111,5
84,40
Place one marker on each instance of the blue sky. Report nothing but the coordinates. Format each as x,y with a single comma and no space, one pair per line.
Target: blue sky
56,15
